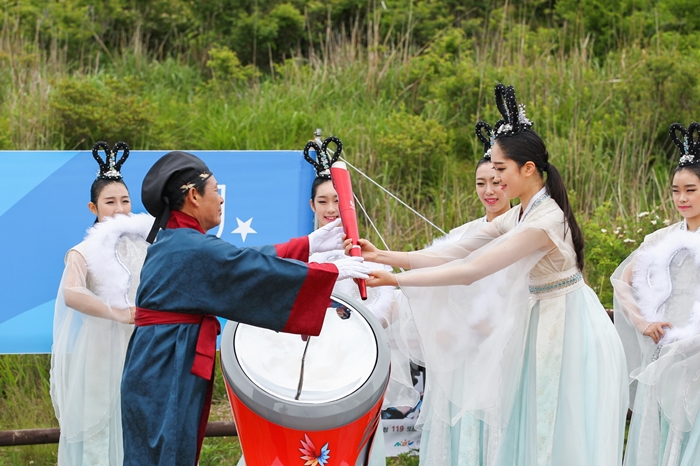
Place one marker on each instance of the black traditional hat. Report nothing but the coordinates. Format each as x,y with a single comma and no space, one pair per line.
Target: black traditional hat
487,139
170,178
514,118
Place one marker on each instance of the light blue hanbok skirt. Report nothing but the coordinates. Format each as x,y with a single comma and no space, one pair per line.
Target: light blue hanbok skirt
572,397
665,426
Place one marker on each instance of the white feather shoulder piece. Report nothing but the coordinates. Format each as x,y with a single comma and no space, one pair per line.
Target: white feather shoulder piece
111,273
655,286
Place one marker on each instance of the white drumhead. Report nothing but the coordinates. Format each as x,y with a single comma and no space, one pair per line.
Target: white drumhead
337,362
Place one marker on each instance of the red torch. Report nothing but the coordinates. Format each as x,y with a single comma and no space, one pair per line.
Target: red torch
343,186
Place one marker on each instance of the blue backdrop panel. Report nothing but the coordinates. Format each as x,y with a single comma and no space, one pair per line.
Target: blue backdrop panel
44,213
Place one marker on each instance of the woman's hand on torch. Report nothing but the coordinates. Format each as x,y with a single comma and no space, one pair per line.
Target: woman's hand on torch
369,251
381,278
372,254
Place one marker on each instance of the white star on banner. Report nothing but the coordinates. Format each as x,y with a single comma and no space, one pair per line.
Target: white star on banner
244,228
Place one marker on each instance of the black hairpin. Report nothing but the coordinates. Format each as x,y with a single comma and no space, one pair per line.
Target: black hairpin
323,161
514,119
110,168
688,143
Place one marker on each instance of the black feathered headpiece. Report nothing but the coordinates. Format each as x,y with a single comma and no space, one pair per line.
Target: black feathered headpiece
513,119
323,161
688,143
488,139
110,168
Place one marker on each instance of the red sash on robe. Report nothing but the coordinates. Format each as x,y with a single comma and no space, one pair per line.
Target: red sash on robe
203,365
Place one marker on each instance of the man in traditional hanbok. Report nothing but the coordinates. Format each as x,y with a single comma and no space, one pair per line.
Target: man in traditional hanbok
187,279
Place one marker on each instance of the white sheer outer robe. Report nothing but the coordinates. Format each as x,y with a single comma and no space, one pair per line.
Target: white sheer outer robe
544,370
100,279
659,283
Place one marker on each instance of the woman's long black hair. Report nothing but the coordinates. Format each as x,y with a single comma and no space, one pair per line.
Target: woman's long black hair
527,146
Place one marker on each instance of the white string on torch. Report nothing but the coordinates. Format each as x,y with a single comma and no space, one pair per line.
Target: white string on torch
392,195
374,227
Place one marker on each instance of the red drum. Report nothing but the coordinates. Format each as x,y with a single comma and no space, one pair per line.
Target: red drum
323,414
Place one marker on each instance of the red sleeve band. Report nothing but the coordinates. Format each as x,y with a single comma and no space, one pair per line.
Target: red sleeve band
309,308
295,248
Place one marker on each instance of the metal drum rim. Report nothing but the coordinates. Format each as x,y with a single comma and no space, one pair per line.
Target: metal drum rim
306,416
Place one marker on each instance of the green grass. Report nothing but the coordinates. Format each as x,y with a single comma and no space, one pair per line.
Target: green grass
25,404
604,120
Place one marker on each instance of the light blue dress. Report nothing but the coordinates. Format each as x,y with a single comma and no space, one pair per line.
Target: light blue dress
659,283
526,368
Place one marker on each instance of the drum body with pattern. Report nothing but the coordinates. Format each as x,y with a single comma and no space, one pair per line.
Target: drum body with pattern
317,401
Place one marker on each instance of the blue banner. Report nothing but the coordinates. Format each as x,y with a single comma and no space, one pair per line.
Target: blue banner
44,213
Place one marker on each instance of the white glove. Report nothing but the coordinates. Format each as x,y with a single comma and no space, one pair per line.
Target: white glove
351,267
327,238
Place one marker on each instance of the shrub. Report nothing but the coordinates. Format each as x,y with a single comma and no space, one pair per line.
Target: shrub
226,69
609,240
89,109
261,38
414,151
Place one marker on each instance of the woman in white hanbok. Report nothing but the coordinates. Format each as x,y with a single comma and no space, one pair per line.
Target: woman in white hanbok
657,314
93,322
526,366
469,432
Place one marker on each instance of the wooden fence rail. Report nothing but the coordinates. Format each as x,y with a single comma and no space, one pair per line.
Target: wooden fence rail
10,438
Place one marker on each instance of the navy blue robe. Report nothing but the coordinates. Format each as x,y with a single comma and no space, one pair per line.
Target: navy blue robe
164,405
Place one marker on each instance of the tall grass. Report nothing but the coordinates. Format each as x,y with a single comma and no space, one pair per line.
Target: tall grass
25,75
25,404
